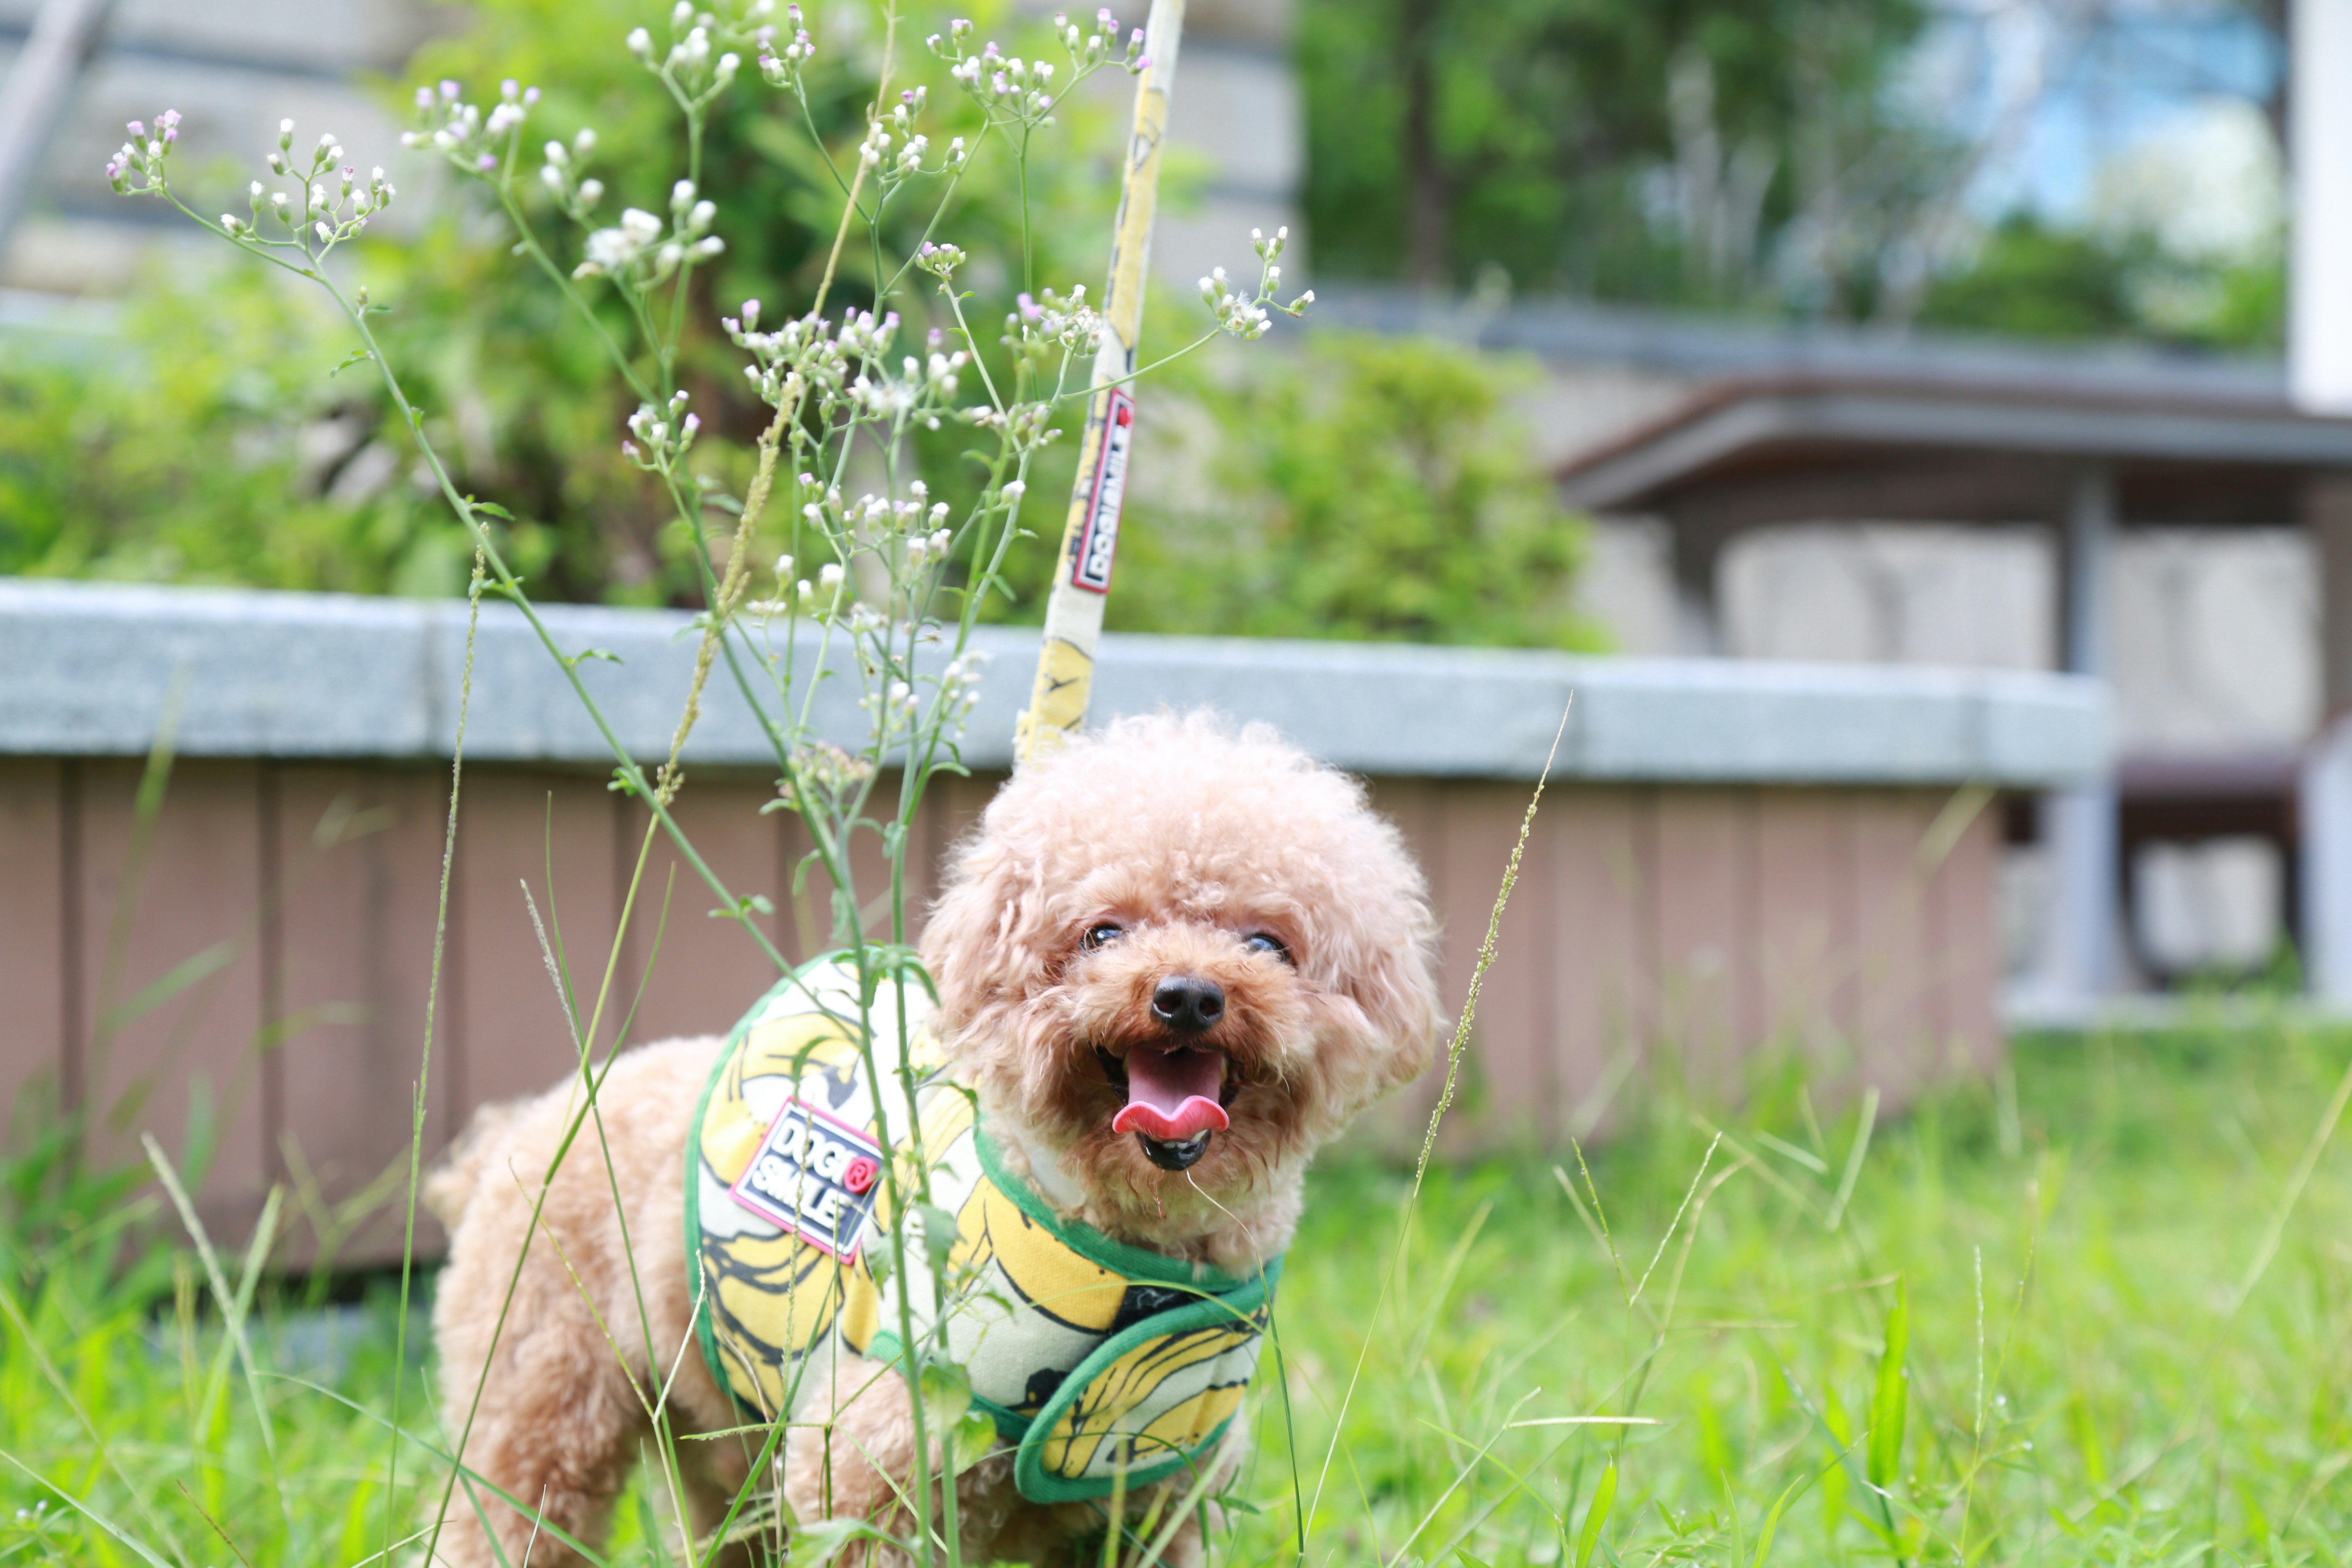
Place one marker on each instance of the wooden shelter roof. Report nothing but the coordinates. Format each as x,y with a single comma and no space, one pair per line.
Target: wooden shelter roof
1751,451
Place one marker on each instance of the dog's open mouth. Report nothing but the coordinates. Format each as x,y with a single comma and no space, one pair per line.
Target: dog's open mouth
1173,1101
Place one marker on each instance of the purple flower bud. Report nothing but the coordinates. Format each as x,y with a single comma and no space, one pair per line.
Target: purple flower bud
628,449
486,162
170,133
450,90
170,117
139,129
509,90
529,96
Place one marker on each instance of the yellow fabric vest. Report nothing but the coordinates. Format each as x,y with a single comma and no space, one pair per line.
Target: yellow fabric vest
1092,1356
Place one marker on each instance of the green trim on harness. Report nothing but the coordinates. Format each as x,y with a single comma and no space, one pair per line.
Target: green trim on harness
1119,1257
1093,1357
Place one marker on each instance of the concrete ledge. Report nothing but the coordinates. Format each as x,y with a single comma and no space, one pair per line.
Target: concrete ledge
89,669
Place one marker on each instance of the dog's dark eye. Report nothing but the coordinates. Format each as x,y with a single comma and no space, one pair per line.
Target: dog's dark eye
1100,936
1259,941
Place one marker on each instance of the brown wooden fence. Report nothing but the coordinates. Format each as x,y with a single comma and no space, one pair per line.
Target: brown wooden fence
261,944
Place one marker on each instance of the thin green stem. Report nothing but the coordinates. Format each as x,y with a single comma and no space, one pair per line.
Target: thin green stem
1028,268
528,239
424,1065
1092,387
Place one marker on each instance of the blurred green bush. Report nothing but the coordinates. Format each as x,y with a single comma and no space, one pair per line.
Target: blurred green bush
164,454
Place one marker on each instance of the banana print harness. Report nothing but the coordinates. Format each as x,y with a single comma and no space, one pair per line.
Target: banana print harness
1093,1357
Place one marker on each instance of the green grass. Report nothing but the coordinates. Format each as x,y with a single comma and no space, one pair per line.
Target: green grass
2083,1381
2117,1281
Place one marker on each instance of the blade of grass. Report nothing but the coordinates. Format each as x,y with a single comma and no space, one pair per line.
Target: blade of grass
1448,1276
1117,1517
1446,1094
1688,1193
234,1305
1596,1516
1889,1404
87,1513
2274,1234
468,1476
227,1540
418,1100
1865,1120
49,1369
1795,1490
146,810
1462,1473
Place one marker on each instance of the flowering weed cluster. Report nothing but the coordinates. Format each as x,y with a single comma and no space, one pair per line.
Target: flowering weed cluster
864,590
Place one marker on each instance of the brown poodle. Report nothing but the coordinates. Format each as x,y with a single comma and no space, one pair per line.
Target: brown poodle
1173,961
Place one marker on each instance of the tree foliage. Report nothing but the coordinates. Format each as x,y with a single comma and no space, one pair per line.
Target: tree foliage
2032,278
1764,155
1690,150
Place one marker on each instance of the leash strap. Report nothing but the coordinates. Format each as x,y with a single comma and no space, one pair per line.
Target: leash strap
1074,610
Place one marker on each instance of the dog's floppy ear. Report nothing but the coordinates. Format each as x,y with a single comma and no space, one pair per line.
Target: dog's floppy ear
978,943
1373,941
1393,977
1399,996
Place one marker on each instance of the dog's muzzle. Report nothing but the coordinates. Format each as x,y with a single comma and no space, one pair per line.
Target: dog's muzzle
1171,1156
1174,1100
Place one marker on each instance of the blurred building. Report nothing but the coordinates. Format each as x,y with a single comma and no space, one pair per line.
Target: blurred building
1842,495
234,70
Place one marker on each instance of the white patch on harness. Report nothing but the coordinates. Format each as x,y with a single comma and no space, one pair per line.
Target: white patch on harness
816,1176
1099,538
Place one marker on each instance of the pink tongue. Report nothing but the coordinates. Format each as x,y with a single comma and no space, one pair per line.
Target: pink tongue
1172,1095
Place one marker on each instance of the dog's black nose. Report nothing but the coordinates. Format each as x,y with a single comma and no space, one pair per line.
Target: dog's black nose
1189,1003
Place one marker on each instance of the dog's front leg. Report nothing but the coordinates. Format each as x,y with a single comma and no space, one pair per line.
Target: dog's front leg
852,1451
1187,1548
852,1456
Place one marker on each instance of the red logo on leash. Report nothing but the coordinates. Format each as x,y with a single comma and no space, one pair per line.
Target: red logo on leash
1098,541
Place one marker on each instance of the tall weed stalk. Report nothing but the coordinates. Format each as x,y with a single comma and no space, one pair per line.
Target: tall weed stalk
883,590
